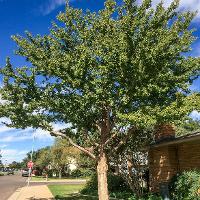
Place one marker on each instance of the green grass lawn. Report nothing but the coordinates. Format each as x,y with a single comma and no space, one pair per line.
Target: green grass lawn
68,192
40,178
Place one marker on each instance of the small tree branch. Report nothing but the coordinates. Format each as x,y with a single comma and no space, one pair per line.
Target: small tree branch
90,140
58,133
124,140
113,136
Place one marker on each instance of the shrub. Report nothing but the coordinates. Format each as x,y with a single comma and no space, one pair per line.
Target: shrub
152,197
81,173
185,186
147,197
121,195
1,174
117,188
115,184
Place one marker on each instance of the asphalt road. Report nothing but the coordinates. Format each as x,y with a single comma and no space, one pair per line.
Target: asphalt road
9,184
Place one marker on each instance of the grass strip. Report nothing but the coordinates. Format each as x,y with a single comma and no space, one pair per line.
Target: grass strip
71,192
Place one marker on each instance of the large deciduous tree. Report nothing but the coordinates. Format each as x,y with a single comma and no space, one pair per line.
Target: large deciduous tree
106,74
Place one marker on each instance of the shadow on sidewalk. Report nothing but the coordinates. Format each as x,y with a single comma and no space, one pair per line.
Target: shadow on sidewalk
75,197
33,198
69,197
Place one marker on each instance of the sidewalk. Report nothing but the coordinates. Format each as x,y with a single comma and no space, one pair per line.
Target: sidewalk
40,192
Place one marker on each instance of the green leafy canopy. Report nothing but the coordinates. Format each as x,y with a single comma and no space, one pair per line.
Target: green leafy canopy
128,60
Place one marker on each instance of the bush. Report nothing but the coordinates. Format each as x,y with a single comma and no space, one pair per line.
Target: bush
81,173
148,197
115,184
1,174
185,186
117,188
121,195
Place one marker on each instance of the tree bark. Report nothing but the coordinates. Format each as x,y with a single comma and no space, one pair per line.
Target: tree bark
102,168
60,174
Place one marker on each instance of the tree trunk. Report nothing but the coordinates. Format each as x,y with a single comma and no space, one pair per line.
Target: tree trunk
102,166
102,169
60,174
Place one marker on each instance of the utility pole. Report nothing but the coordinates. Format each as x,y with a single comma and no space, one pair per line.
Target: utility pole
32,146
30,169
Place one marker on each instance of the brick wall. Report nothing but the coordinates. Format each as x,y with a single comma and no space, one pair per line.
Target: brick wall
189,156
165,162
162,166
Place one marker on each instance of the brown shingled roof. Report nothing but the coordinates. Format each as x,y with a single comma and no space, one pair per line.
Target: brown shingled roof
177,140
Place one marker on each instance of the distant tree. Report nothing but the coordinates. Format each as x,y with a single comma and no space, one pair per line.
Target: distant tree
44,157
30,156
63,155
107,74
58,156
187,127
15,165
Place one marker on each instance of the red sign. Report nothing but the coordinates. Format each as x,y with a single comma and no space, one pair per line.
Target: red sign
30,164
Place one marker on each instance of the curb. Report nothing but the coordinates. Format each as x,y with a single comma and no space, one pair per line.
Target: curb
63,181
16,194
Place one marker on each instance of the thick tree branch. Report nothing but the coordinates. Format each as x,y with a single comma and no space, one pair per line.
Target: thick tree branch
58,133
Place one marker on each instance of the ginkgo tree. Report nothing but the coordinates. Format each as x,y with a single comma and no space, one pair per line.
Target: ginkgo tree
106,74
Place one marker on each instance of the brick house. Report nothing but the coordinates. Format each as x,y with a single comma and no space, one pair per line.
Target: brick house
170,155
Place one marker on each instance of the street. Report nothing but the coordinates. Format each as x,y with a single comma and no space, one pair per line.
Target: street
10,183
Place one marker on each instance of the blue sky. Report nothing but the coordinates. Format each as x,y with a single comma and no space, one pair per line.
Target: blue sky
16,16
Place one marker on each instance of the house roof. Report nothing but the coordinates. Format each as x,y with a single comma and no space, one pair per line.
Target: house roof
178,140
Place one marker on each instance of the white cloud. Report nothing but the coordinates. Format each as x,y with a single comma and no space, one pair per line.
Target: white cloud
3,146
59,126
51,5
15,138
42,134
4,120
9,135
15,135
195,115
9,155
4,129
191,5
26,134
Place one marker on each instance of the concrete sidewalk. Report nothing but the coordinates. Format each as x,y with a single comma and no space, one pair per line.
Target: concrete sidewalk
40,192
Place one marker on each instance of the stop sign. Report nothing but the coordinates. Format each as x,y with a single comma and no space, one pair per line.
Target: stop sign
30,164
